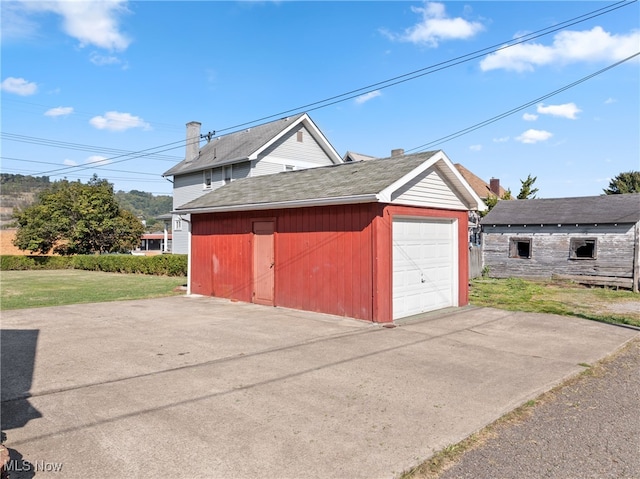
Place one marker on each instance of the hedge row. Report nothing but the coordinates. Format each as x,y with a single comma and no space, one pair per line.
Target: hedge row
161,265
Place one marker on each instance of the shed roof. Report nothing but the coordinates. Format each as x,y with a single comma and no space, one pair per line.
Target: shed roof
246,144
354,182
604,209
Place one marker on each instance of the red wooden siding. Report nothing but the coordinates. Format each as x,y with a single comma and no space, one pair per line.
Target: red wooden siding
332,259
323,257
383,275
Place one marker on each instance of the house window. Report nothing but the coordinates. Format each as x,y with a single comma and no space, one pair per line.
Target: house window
227,174
299,136
583,248
289,167
177,224
207,178
520,248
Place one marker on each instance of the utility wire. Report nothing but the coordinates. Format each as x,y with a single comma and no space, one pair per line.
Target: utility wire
379,85
76,146
440,66
134,156
519,108
22,160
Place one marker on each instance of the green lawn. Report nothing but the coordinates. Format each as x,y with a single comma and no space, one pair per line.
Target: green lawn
557,297
38,288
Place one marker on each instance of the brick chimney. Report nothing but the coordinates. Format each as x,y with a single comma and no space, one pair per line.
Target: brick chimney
494,186
193,141
397,152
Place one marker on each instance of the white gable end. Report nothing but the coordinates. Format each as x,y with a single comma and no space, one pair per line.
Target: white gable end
428,189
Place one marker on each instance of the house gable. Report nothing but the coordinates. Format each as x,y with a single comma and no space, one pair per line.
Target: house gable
429,189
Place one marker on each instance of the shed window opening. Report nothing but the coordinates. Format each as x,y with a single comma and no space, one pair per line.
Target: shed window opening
583,248
520,248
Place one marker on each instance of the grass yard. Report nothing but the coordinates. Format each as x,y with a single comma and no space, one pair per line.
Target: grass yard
557,297
38,288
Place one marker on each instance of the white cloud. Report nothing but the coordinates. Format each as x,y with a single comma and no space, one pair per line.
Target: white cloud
14,24
529,117
102,60
92,23
566,110
610,100
19,86
436,27
475,147
68,162
534,136
59,111
116,121
503,139
367,96
97,160
593,45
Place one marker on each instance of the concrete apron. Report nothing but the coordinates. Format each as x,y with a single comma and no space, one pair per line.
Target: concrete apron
201,387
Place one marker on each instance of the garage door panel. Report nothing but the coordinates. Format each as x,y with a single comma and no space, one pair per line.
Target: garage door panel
424,272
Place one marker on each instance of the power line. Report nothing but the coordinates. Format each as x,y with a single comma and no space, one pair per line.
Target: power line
103,169
519,108
134,156
77,146
440,66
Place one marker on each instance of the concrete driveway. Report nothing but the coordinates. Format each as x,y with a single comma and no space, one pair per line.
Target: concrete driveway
200,387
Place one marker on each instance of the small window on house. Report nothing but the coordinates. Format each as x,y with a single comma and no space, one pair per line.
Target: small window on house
177,224
207,178
520,248
299,136
583,248
289,167
227,173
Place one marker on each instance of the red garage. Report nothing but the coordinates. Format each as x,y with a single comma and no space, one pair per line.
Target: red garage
376,240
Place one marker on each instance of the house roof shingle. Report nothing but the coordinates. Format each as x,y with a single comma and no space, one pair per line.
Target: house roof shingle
481,188
604,209
336,181
234,147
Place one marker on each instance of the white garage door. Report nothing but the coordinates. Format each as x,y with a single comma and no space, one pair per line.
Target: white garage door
425,267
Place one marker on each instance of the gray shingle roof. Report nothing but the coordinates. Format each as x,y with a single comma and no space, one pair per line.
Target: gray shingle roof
605,209
336,181
234,147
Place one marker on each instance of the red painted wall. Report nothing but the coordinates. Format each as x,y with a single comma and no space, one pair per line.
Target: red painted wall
383,275
323,257
333,259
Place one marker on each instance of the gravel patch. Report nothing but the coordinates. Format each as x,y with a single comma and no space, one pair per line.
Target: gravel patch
588,429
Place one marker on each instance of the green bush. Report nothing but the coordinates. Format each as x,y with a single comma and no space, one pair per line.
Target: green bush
14,263
160,265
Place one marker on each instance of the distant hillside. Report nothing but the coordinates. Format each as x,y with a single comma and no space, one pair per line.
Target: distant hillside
146,206
20,191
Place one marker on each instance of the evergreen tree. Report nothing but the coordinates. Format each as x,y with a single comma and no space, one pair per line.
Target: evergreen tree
628,182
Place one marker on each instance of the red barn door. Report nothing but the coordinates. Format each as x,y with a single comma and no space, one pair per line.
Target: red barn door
263,262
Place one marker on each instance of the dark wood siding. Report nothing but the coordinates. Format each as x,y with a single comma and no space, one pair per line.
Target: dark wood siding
550,251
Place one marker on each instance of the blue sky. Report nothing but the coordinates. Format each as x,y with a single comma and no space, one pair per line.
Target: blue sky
85,84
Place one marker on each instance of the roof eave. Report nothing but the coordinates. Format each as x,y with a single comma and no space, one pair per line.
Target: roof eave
338,200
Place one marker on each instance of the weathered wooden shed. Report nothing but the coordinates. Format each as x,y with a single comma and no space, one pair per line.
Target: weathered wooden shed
375,240
593,239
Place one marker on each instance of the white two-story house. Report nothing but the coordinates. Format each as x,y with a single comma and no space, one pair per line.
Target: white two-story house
290,143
